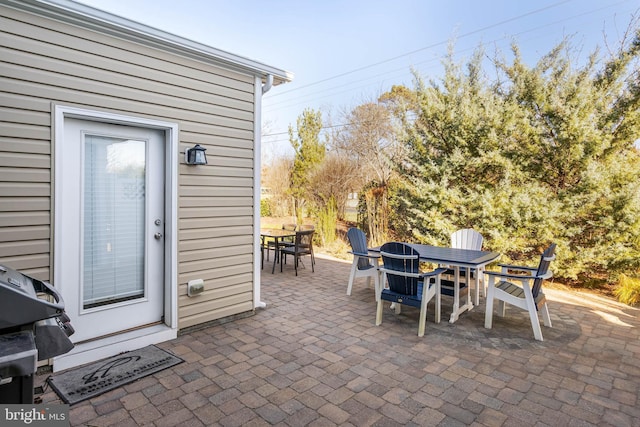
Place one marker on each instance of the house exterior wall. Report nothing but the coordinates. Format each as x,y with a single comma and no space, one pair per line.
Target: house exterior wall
45,62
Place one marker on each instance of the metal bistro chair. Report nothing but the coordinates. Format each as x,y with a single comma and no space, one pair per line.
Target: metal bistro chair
303,245
364,264
527,296
407,285
270,245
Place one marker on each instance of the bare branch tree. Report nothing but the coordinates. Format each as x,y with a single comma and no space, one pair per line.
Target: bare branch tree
368,140
334,178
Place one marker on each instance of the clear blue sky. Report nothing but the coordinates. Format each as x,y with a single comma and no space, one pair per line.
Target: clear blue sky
345,52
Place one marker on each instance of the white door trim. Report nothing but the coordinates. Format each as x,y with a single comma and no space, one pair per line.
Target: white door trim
99,349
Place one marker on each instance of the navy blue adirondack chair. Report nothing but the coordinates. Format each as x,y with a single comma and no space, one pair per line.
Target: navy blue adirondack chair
407,284
365,264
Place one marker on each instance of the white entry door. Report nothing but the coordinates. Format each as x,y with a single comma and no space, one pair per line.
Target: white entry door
111,226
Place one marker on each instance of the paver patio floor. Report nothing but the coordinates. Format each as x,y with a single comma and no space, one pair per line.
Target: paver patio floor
314,357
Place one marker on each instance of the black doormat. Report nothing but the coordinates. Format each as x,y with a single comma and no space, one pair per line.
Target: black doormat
91,380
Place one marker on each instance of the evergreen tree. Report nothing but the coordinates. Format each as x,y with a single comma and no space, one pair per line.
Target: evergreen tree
309,154
539,154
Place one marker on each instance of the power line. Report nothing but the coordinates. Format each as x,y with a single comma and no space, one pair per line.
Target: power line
287,132
297,101
389,74
423,48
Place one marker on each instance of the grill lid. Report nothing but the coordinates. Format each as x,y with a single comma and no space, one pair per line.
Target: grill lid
21,299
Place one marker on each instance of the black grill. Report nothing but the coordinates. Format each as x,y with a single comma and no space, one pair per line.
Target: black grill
33,326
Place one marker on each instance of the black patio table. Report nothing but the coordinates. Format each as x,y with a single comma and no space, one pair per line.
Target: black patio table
277,235
456,258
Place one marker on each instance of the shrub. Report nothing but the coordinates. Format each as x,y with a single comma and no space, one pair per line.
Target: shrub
327,222
628,290
265,207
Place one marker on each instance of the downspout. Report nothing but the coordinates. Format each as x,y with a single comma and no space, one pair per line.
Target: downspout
267,86
259,90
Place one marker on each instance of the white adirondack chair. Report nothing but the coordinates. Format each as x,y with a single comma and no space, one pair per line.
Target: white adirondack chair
527,296
468,238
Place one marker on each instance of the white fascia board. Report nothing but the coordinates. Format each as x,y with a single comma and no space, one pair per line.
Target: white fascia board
98,20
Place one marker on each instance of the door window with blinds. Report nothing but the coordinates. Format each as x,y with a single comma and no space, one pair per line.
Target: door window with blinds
109,219
113,212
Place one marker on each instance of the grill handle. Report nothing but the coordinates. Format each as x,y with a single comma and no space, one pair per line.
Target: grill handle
46,288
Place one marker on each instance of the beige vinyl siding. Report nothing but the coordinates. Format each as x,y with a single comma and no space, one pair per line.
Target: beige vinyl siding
25,190
44,62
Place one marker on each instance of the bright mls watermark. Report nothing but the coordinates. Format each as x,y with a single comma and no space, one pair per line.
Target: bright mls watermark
34,415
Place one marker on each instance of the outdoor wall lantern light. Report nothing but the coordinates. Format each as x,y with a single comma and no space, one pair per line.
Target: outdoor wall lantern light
195,155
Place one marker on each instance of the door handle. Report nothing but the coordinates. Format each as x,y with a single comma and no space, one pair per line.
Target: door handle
158,236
